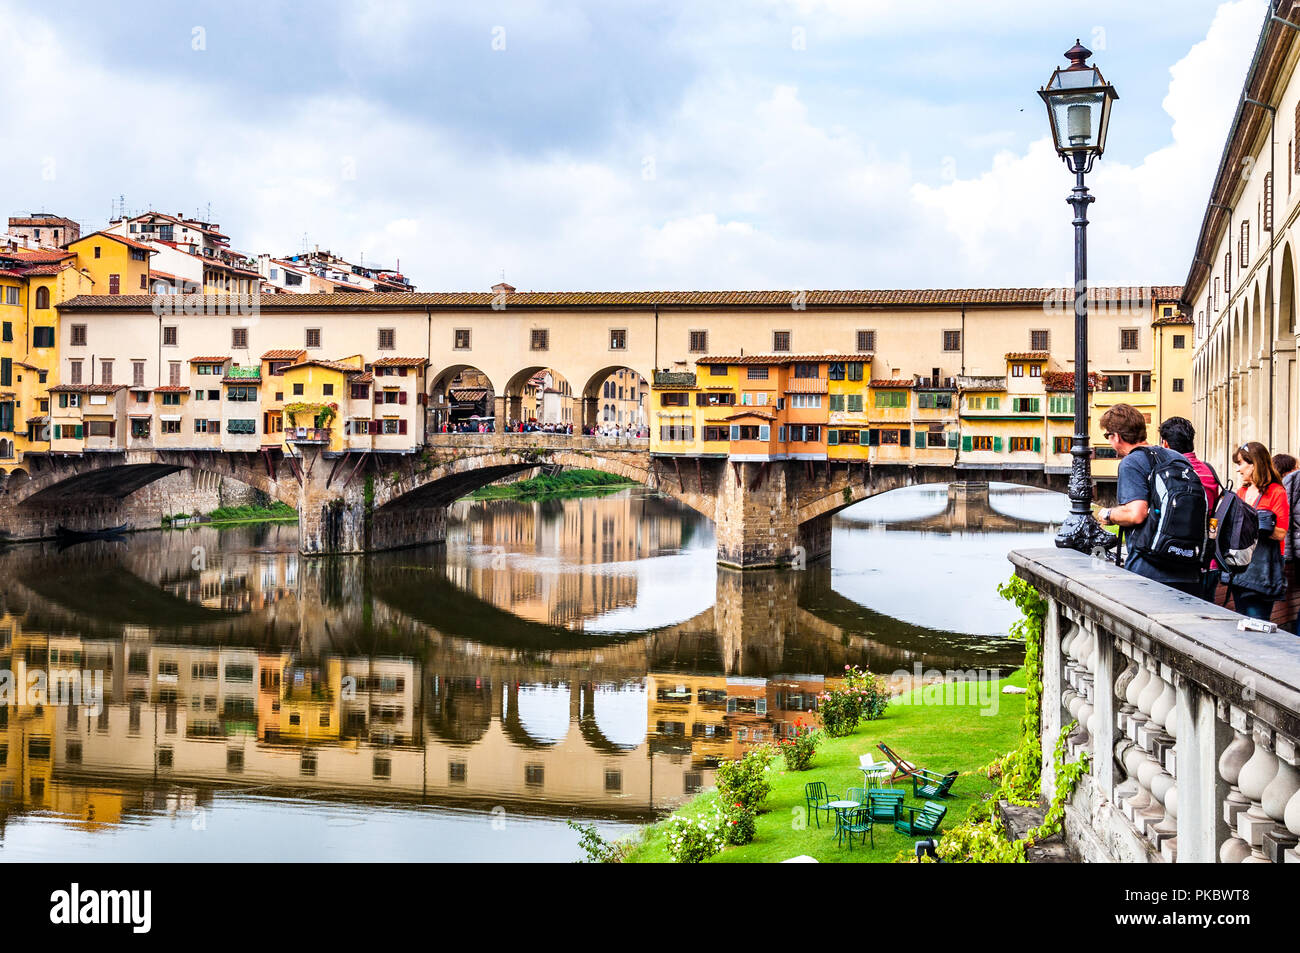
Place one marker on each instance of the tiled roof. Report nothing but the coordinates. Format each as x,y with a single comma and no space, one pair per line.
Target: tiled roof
171,389
468,394
129,242
1174,319
902,382
1029,355
805,385
284,354
764,414
401,362
782,359
417,300
210,359
366,378
87,388
241,380
328,365
42,254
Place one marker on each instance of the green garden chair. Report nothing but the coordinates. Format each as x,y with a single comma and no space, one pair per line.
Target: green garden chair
928,785
815,797
885,806
855,823
923,822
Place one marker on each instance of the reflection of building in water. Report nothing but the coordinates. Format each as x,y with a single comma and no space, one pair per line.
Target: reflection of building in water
715,717
614,529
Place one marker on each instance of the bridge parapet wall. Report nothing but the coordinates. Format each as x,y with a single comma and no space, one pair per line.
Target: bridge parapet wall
1193,725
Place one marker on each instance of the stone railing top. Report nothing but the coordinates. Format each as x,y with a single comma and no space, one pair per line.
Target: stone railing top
1254,671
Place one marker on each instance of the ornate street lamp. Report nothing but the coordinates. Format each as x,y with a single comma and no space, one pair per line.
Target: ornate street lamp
1078,107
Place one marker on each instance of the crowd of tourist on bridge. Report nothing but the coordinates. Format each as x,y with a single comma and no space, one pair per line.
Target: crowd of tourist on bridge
488,425
1244,541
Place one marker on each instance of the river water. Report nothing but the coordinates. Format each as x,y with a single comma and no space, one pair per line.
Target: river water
566,659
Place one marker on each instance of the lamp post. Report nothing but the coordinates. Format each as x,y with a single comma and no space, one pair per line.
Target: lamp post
1078,107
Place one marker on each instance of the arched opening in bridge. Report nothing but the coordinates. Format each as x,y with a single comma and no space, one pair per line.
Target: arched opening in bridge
461,397
540,397
616,398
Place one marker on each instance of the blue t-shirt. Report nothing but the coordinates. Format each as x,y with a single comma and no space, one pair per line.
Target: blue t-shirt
1134,483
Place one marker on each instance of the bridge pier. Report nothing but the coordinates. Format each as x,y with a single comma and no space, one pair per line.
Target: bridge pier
757,519
340,520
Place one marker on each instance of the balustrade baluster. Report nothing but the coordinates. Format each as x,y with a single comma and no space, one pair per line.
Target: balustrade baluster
1235,849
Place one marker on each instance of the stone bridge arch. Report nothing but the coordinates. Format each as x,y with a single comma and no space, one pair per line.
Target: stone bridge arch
93,491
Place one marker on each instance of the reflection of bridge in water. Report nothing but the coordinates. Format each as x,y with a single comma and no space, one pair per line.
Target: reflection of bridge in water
968,510
379,678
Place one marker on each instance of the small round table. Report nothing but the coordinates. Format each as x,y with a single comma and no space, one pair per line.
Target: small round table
839,807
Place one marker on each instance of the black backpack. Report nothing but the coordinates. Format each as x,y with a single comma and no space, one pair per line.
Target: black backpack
1174,534
1235,529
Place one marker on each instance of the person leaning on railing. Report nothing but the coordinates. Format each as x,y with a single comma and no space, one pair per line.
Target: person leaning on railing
1287,467
1256,588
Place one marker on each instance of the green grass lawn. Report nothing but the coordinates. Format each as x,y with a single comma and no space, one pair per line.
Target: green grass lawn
937,737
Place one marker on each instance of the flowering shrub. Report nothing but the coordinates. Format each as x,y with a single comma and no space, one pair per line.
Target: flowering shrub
741,824
800,747
695,839
744,781
863,698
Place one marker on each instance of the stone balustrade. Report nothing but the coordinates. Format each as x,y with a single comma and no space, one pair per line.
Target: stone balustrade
1193,725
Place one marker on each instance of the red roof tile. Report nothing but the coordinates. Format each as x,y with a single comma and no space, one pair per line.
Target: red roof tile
401,362
893,384
1029,355
951,297
284,354
210,359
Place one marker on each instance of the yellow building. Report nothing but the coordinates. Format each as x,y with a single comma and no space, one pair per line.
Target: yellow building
316,393
116,265
32,283
1021,419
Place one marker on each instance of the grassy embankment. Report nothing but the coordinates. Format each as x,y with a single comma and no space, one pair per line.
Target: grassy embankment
939,737
563,483
242,514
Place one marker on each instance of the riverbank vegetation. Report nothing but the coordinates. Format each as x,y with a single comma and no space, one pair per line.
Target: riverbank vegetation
559,484
939,730
270,512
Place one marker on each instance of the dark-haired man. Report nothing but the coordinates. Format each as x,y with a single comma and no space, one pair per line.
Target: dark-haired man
1126,430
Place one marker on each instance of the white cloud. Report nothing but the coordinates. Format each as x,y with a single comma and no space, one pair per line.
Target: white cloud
750,188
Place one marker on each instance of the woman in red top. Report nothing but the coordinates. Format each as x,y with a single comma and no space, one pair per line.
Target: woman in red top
1262,583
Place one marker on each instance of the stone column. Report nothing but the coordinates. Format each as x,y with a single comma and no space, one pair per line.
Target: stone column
1201,736
1051,701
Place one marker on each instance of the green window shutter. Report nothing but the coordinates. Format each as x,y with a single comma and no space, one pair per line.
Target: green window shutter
1035,406
8,331
833,437
920,440
994,403
997,444
78,432
864,438
965,443
57,432
63,400
1038,444
952,439
904,438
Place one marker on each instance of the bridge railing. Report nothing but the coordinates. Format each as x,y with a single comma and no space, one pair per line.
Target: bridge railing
1193,725
549,441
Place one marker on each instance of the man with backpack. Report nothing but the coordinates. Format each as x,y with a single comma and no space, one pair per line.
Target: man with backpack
1178,434
1162,507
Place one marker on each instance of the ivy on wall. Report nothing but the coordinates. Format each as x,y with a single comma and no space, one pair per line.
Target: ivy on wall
981,837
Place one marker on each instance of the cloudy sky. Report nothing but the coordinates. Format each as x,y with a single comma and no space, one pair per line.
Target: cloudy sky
642,144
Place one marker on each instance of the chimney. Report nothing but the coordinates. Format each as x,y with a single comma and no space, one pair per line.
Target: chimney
502,286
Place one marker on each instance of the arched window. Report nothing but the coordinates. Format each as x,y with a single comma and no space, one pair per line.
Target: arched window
42,299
